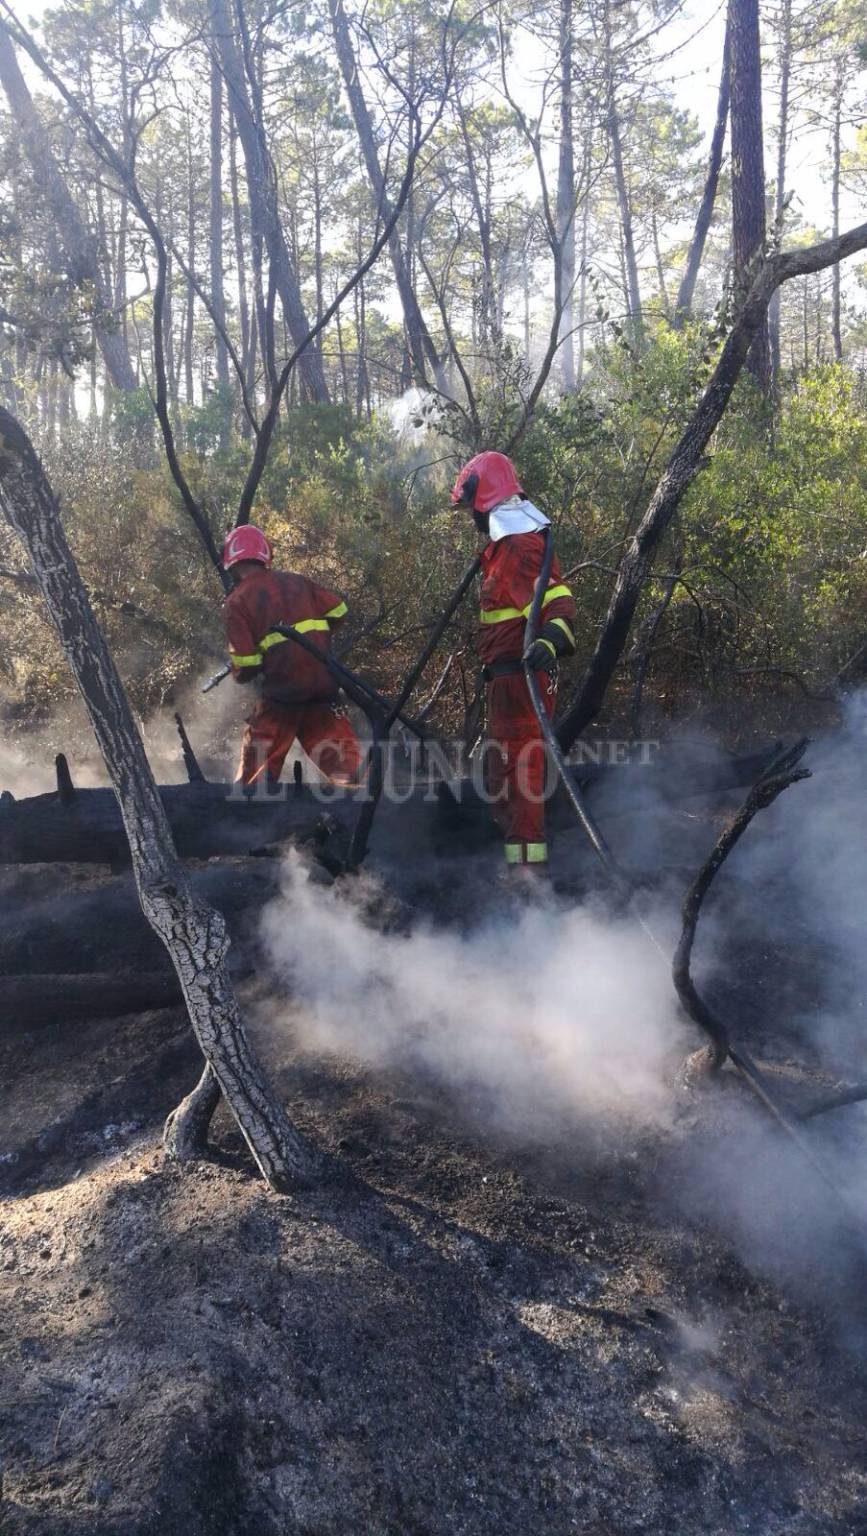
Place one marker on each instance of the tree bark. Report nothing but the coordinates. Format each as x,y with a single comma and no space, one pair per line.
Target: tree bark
262,193
683,466
566,198
633,287
421,346
80,254
193,934
780,190
216,225
836,326
686,292
748,168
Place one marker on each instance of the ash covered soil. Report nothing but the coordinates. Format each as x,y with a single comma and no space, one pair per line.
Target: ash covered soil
453,1334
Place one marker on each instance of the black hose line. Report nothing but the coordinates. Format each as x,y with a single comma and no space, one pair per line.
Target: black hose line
625,892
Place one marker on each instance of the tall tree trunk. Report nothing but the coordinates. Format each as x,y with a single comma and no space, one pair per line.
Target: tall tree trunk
421,345
582,280
484,305
660,269
780,189
190,308
317,244
748,167
218,298
683,465
80,253
686,292
193,934
633,288
247,316
262,194
836,326
566,199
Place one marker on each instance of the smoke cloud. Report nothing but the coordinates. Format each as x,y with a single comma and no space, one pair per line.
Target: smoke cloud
557,1021
545,1017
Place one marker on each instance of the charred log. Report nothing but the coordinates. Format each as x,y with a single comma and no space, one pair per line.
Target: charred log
34,1002
52,927
210,820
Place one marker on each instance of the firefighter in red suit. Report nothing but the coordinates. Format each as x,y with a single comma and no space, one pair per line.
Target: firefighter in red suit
299,695
511,561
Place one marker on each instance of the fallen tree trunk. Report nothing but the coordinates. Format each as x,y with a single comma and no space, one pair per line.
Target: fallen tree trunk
213,820
99,927
194,934
36,1002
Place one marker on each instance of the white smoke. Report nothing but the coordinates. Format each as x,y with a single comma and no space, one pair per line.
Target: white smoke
550,1015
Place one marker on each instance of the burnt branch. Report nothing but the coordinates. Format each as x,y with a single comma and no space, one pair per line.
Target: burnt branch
780,774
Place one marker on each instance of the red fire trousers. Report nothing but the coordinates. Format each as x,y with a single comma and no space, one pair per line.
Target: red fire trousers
326,736
516,766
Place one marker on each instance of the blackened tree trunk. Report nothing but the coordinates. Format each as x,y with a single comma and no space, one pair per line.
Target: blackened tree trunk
748,168
193,933
262,193
686,293
79,249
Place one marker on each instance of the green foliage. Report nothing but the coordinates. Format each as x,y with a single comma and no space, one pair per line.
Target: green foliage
772,537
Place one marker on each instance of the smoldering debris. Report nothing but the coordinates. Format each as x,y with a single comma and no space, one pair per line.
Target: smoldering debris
546,1017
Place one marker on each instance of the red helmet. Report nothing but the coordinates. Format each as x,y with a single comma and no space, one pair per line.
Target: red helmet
246,543
485,481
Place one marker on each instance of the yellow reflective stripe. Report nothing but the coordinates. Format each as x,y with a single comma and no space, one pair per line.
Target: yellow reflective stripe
338,612
246,661
561,623
526,853
550,647
500,615
303,626
553,592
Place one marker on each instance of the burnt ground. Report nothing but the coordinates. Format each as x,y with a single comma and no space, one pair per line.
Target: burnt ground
452,1335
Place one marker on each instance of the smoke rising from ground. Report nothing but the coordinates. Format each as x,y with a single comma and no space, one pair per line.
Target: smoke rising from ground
557,1018
548,1017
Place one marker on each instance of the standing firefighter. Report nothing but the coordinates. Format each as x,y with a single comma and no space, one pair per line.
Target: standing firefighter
511,562
298,697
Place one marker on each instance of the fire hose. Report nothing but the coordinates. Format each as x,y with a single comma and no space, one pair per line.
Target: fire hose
625,892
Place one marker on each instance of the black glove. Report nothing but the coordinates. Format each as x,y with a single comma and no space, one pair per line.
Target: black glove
542,657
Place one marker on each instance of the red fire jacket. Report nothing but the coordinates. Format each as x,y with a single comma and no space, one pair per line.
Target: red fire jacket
509,571
263,599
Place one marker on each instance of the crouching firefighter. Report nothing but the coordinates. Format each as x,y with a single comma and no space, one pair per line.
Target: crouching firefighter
510,563
299,696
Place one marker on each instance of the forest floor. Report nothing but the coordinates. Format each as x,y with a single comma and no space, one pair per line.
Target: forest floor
455,1333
